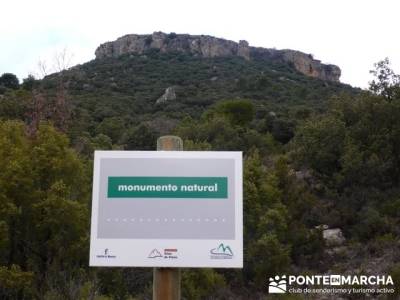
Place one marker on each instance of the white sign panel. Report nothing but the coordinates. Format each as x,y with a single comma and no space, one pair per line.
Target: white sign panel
167,209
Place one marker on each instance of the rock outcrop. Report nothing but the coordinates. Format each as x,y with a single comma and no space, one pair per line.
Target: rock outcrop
199,45
333,237
309,66
208,46
168,95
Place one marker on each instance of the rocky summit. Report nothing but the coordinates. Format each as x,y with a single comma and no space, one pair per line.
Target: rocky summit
209,47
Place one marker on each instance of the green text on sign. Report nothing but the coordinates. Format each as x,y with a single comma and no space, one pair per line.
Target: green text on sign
168,187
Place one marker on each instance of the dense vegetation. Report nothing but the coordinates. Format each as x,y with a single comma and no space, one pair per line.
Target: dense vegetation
112,95
316,153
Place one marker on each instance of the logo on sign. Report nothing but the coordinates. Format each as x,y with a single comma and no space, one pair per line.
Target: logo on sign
106,254
154,254
221,252
277,285
168,253
171,253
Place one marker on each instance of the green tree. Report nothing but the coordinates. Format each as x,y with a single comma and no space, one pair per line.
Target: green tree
9,80
15,104
386,82
217,131
354,151
112,127
198,284
319,144
15,283
140,138
238,112
44,212
267,251
271,257
29,82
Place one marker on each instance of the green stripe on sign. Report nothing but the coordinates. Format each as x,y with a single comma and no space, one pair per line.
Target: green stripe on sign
168,187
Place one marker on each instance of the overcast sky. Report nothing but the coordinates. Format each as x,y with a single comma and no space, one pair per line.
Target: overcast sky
353,34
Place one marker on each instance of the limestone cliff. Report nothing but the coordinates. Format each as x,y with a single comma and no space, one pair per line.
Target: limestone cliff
208,46
309,66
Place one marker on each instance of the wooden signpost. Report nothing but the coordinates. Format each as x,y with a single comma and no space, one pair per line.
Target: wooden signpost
167,209
167,281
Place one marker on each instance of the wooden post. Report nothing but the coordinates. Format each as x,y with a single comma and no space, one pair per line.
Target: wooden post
167,281
169,143
166,284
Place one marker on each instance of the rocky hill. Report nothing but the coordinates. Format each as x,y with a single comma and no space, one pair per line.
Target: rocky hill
321,171
209,47
160,79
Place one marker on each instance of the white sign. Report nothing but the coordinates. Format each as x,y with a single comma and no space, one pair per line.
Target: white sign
167,209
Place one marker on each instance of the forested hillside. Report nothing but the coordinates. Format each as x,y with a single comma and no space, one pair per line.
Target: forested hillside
319,155
112,96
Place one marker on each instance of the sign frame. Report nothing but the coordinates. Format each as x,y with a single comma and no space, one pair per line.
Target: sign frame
170,252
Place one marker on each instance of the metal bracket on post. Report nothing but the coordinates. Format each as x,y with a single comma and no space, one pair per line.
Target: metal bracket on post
167,281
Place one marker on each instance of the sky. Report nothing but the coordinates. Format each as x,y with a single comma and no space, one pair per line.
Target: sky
353,34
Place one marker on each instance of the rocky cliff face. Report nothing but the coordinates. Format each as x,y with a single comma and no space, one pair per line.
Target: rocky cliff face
309,66
208,46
